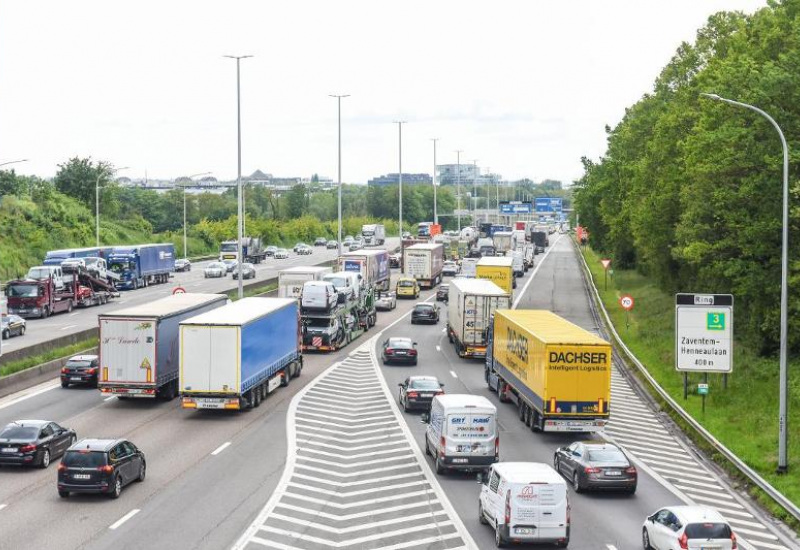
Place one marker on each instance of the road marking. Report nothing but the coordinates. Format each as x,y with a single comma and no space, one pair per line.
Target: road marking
3,506
535,270
110,398
453,374
68,327
438,348
74,314
42,388
124,518
221,448
611,547
444,330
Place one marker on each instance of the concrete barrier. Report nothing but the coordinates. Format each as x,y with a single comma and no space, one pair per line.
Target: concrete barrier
35,375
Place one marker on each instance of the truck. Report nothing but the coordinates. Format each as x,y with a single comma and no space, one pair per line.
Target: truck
373,265
424,262
139,345
503,242
234,356
56,257
499,270
540,240
292,279
484,247
558,374
41,298
353,315
428,230
143,264
470,306
468,268
374,234
405,243
252,249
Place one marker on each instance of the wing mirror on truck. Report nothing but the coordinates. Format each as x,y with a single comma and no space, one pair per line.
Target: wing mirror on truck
482,477
425,418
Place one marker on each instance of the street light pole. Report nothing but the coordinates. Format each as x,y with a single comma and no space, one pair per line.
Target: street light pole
97,204
339,237
240,202
458,187
13,162
400,160
185,253
783,464
435,211
475,189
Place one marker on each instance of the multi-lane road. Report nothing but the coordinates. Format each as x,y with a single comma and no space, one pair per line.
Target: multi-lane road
356,476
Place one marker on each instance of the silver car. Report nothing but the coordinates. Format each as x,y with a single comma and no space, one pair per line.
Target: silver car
215,270
281,254
386,302
248,272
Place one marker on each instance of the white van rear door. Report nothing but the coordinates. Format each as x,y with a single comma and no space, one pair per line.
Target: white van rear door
539,509
471,434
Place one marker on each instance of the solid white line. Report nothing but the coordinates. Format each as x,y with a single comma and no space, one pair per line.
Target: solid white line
221,448
535,271
3,506
611,547
42,388
453,374
110,398
438,348
74,314
68,327
124,518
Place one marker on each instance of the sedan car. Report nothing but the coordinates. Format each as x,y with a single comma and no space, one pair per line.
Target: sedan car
417,392
230,265
100,466
321,241
386,301
394,260
298,245
450,269
281,254
80,369
33,442
425,313
270,251
347,240
595,466
355,245
399,350
330,245
248,272
13,325
215,270
443,292
687,527
183,264
304,250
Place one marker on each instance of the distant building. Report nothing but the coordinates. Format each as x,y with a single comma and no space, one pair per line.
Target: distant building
447,174
408,179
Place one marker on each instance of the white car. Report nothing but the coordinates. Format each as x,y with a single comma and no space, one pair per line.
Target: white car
450,269
281,254
215,270
693,527
386,302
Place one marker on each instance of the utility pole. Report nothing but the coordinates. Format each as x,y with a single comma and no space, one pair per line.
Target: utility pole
400,175
475,190
339,208
458,187
435,211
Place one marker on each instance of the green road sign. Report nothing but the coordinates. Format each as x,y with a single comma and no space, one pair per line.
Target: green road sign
715,321
702,389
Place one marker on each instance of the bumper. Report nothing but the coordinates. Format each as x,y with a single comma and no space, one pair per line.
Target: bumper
468,463
475,351
521,534
212,403
148,393
79,378
574,425
100,487
623,484
25,313
431,320
17,459
419,404
399,359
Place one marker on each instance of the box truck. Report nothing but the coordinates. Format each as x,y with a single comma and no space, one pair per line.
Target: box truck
139,345
234,356
424,262
373,265
504,241
470,306
143,264
558,374
499,270
373,234
292,279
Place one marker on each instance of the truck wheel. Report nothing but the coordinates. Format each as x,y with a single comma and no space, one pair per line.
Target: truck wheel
45,313
521,410
256,397
535,422
481,514
69,306
285,378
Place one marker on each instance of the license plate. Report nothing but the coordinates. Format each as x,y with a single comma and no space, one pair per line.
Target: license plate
523,530
81,476
426,395
459,461
8,450
75,378
401,353
613,473
210,405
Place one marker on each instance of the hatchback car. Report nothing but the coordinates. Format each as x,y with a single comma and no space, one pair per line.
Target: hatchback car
399,350
100,466
320,241
443,293
596,466
330,245
13,325
304,250
355,245
417,392
215,270
80,369
183,265
387,301
425,313
298,245
281,254
407,287
270,251
230,265
33,442
694,527
248,272
450,269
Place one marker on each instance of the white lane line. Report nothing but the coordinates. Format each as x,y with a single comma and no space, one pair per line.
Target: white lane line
611,547
74,314
438,348
3,506
68,327
453,374
221,448
444,330
42,388
110,398
124,518
535,271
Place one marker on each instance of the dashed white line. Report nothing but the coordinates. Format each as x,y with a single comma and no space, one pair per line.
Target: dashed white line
124,518
438,348
110,398
3,506
221,448
68,327
74,314
453,374
611,547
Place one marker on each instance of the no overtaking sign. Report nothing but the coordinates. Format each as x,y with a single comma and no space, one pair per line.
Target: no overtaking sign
704,332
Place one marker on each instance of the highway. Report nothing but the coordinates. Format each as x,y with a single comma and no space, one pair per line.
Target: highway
216,479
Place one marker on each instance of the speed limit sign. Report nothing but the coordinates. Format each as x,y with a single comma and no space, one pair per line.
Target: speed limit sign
626,301
179,290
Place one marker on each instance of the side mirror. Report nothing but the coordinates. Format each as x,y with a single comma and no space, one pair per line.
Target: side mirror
415,343
482,478
441,384
400,384
425,418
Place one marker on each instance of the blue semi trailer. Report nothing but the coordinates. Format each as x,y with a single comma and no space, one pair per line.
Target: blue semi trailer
234,356
142,264
55,257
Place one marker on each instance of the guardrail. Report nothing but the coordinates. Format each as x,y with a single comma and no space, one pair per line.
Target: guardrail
743,468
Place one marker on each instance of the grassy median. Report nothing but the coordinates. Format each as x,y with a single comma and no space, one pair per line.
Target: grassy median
34,360
744,417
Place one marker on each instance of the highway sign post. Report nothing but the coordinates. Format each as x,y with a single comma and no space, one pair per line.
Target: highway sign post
626,301
606,263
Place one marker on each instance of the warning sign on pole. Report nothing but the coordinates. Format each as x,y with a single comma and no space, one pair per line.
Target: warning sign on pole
704,332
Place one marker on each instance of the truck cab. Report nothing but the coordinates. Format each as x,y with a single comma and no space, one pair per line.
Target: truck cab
30,298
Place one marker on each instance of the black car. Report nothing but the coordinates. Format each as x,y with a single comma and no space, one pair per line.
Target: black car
81,369
443,293
13,325
100,466
183,265
321,241
394,260
425,313
33,442
399,350
596,466
417,392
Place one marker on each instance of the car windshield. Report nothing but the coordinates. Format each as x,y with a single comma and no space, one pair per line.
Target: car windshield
424,308
79,364
425,384
281,250
91,261
84,459
23,291
405,283
399,343
338,282
34,273
247,266
228,247
606,455
22,433
708,531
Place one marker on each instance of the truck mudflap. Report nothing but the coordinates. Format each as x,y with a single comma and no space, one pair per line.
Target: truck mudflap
574,424
149,393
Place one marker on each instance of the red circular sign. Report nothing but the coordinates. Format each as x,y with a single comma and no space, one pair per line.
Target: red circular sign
626,301
179,290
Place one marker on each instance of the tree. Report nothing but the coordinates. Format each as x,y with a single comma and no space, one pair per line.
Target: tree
296,202
78,178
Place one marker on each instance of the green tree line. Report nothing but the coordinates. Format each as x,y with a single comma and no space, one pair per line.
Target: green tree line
689,189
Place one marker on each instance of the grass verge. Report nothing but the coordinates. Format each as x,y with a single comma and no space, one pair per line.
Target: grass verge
743,416
57,353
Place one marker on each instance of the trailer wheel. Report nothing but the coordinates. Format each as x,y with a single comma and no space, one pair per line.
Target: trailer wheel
521,410
285,378
257,397
535,422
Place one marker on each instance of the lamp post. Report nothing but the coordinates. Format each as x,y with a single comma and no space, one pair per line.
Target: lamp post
97,204
339,235
458,187
783,464
400,160
185,253
435,211
13,162
475,189
240,201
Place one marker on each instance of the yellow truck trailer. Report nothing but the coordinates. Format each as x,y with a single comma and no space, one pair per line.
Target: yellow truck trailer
557,373
499,270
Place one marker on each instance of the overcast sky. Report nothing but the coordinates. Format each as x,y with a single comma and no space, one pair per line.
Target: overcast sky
524,87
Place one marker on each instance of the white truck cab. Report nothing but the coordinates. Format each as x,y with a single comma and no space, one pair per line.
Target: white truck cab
525,502
462,433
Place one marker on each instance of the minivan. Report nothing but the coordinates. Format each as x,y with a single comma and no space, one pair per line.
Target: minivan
44,272
517,262
525,502
318,295
462,433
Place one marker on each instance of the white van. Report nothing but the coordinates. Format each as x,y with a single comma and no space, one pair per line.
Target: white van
347,283
318,295
517,262
468,267
525,502
462,433
44,272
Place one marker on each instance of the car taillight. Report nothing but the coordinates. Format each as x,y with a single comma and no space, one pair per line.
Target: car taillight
631,471
92,370
413,394
497,446
442,447
62,468
412,352
64,370
734,544
105,469
27,448
508,508
389,351
590,470
684,541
